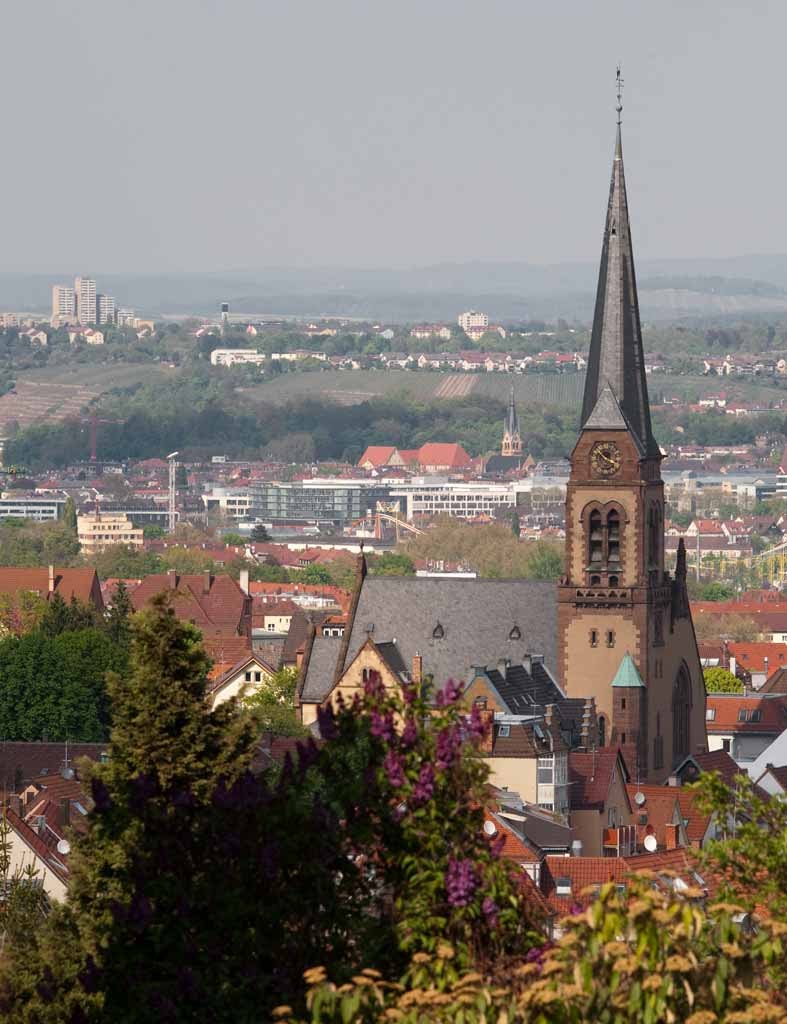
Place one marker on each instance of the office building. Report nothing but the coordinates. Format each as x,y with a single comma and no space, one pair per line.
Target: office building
85,294
98,531
336,502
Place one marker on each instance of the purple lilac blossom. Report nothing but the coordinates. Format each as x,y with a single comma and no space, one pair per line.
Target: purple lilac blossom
461,882
424,787
394,768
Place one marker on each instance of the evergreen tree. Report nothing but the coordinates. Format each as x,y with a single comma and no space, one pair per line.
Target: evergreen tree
260,534
70,514
119,615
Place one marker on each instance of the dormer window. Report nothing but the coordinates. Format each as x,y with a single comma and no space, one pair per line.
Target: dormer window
563,887
515,634
438,632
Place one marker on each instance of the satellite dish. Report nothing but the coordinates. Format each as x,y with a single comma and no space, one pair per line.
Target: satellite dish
639,798
651,844
64,847
489,828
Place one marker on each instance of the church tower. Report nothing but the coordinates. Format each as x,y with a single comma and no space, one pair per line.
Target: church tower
616,599
512,441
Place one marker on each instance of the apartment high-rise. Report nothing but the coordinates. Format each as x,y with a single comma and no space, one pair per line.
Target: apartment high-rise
85,292
105,305
472,318
63,305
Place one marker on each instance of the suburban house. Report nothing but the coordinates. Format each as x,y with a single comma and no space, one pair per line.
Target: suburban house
601,816
215,604
744,725
69,584
239,680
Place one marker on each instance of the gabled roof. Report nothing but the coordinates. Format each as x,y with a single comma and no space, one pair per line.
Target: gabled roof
590,776
20,762
524,690
214,603
439,454
240,666
80,584
659,808
616,392
377,455
454,624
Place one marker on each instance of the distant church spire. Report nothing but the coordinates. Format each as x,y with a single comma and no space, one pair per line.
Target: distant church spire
512,440
616,392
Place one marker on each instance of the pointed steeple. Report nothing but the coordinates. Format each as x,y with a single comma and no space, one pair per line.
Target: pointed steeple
616,391
512,440
512,420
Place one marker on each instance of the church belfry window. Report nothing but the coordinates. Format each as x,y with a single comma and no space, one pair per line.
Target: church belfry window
596,539
613,537
681,710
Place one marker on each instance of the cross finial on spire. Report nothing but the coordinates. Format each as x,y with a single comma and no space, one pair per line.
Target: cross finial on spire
619,92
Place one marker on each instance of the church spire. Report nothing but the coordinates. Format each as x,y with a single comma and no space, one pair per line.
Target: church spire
616,392
512,440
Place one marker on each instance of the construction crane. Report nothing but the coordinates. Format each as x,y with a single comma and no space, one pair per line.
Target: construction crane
92,422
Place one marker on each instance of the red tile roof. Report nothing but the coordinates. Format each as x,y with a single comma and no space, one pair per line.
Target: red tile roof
581,872
658,808
590,776
214,603
438,454
751,656
81,584
377,455
696,821
719,761
31,839
728,707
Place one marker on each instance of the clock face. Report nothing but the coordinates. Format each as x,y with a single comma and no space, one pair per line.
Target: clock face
605,458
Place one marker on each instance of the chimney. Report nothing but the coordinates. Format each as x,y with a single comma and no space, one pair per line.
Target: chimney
417,673
576,848
51,586
243,580
206,582
172,577
527,664
15,804
64,813
733,664
671,839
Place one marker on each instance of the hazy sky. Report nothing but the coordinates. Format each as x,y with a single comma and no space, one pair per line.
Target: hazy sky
174,135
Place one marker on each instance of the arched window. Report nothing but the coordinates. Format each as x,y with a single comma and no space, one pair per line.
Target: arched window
602,731
613,538
681,710
596,539
654,535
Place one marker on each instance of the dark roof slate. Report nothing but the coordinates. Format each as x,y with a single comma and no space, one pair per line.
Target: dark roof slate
475,618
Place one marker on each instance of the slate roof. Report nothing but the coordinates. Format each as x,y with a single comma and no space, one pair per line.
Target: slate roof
616,391
475,618
521,690
298,633
321,667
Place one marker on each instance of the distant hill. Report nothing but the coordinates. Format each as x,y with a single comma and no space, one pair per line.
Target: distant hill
668,289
